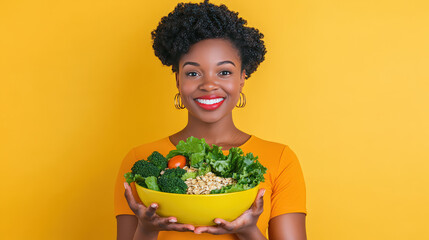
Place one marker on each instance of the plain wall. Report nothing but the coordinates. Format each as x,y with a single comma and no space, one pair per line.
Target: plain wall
345,84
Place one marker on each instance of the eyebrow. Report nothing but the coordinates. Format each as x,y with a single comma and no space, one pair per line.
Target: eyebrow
191,63
225,62
218,64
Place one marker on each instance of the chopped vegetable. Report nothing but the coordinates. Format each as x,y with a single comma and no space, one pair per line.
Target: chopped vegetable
158,160
245,171
189,175
231,188
177,161
204,169
194,149
140,170
151,183
140,180
172,184
129,177
145,169
174,172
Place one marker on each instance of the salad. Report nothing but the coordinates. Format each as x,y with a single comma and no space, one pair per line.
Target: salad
194,167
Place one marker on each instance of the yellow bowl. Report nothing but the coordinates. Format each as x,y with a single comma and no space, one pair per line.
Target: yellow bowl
199,210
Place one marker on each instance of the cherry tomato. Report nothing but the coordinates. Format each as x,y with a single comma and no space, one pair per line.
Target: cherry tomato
177,161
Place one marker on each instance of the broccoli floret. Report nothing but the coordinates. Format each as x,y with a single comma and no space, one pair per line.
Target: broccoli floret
174,172
145,169
158,160
172,184
189,175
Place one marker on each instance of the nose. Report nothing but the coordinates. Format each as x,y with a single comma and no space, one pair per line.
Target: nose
208,83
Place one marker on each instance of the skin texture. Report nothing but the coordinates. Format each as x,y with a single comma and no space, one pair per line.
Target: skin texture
225,80
288,226
211,66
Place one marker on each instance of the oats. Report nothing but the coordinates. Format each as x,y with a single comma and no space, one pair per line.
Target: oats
205,184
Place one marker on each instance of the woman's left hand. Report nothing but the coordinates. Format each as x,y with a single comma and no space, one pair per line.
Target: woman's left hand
243,225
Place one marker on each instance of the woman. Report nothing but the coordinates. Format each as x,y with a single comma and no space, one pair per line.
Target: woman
212,52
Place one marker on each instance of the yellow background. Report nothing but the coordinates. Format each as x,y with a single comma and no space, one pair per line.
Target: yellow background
345,84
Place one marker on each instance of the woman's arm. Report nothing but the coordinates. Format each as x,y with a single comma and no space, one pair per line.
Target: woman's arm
126,227
129,229
289,226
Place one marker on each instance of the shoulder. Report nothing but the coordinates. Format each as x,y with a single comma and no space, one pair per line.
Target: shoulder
271,154
267,147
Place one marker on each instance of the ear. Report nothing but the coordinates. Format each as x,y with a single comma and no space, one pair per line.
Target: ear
242,78
177,79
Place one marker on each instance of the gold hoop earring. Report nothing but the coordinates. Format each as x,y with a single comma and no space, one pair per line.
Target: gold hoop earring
178,101
242,101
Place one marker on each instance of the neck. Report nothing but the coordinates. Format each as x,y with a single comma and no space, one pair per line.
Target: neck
219,133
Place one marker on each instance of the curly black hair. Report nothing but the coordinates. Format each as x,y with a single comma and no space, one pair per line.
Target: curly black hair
190,23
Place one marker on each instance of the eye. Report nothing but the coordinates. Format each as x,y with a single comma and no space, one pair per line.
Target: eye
191,74
224,73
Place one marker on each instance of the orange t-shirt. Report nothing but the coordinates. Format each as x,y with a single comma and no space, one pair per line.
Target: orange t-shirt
284,182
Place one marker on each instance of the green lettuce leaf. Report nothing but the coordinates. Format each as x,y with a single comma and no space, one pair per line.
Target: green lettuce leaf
231,188
140,180
151,183
129,177
204,169
193,149
189,175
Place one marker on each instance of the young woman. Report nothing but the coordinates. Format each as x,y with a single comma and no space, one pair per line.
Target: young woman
212,52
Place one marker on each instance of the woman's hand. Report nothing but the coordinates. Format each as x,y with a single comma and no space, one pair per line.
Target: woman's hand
151,223
244,226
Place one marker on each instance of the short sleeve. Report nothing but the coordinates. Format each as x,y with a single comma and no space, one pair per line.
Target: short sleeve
120,203
288,194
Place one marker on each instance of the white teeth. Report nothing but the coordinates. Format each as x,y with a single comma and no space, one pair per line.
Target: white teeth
209,101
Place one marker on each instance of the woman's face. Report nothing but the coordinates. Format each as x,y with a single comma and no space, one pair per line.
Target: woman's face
210,79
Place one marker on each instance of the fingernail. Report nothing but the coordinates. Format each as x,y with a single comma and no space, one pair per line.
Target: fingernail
125,185
153,205
217,222
263,192
172,220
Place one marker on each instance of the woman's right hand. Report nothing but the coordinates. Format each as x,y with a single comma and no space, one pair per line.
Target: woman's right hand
151,223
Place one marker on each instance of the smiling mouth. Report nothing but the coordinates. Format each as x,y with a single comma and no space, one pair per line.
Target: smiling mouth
209,101
210,104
